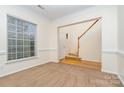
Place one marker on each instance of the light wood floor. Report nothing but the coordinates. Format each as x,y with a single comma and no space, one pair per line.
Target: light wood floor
60,75
83,63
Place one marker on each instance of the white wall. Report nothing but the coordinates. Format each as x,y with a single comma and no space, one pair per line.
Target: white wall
121,42
90,44
43,49
47,43
109,31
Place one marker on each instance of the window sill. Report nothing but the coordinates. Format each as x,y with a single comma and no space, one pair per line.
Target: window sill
20,60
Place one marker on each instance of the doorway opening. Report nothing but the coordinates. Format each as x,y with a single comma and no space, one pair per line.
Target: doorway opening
80,43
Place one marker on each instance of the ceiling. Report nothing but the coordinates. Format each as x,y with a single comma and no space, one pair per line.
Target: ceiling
56,11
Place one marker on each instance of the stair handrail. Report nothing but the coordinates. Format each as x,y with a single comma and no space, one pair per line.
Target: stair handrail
85,33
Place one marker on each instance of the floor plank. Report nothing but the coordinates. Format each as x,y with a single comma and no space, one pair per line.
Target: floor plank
60,75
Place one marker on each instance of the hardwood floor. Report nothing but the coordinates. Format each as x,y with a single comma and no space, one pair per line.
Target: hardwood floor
83,63
60,75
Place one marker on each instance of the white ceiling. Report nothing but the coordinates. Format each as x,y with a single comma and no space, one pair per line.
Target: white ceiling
57,11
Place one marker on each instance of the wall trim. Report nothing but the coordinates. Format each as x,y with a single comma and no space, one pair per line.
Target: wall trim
3,52
114,51
111,72
118,52
121,52
41,50
109,51
47,49
20,60
122,81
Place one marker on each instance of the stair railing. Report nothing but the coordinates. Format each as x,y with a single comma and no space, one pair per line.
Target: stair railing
85,33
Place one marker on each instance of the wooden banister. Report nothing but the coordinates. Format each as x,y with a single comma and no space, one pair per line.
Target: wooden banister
85,33
88,29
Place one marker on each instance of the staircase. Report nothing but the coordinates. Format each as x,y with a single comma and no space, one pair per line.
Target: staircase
75,56
72,57
78,45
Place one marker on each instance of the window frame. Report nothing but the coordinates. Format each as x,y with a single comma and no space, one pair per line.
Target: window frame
35,40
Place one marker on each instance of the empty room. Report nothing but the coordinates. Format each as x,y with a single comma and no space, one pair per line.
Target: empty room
61,46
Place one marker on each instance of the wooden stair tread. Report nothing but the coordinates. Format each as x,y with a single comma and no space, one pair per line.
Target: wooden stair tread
72,57
85,64
71,54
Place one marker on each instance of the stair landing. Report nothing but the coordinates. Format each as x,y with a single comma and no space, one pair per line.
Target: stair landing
71,54
82,63
72,58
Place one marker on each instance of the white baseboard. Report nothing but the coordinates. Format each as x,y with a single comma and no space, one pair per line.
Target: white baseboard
106,71
6,74
122,80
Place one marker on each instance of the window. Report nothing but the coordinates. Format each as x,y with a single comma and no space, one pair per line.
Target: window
21,38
